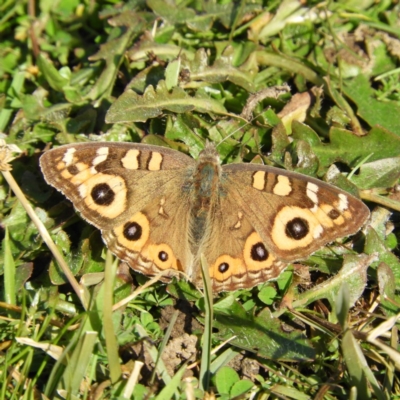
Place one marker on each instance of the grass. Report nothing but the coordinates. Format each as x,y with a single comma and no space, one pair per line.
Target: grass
77,324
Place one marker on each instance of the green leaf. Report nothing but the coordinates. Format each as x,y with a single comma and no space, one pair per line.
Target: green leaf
353,272
342,305
225,378
241,387
52,76
371,110
132,107
74,259
267,295
112,51
346,147
374,245
23,273
387,290
183,290
204,376
262,334
221,71
173,14
381,173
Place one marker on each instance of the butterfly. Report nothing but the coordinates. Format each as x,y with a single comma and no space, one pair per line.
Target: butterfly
160,210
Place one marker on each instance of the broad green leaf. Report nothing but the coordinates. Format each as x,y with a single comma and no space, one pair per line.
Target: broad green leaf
374,245
225,378
387,289
241,387
132,107
74,259
52,76
267,295
371,110
382,173
173,14
353,272
113,53
261,334
222,70
346,147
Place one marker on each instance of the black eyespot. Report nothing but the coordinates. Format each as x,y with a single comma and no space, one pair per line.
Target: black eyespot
102,194
297,228
72,169
333,214
132,231
223,267
259,252
163,256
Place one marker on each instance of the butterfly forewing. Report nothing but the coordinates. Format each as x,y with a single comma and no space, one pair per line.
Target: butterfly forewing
108,182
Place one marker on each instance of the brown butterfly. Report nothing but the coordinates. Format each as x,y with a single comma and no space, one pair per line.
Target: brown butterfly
158,209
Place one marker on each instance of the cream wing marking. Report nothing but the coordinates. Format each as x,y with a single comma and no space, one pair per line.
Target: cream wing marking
155,161
161,210
102,154
312,190
343,203
259,180
69,156
131,159
238,224
283,186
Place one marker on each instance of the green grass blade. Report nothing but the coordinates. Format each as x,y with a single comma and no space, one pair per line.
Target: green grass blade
168,392
9,271
204,378
111,340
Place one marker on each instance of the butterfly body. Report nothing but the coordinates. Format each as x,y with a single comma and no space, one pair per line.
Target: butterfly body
159,209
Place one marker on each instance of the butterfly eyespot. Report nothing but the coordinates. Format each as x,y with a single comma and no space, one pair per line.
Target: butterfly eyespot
102,194
334,214
163,256
258,252
255,254
131,235
132,231
297,228
223,267
73,169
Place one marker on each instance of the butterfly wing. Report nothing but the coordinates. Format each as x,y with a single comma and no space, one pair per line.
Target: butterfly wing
267,218
134,193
